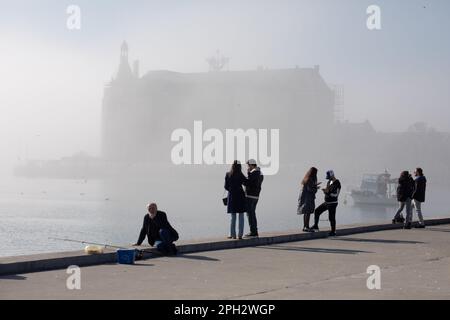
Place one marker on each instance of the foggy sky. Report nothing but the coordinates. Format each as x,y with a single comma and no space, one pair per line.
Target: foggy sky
52,79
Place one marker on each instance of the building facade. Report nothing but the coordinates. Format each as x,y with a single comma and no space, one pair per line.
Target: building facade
141,112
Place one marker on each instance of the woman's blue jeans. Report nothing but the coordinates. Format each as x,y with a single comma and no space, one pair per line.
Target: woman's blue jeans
233,225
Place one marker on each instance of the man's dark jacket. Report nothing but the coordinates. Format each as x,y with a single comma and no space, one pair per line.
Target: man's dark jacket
255,180
151,228
421,186
332,191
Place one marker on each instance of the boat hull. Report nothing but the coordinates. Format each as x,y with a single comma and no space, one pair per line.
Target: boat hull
372,199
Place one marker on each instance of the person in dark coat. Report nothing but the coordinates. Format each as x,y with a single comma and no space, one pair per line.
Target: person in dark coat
158,230
234,180
405,192
419,195
307,199
252,192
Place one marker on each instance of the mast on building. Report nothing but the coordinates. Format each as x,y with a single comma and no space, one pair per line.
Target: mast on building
217,62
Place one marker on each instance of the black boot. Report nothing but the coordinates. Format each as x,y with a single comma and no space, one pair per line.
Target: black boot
173,249
398,220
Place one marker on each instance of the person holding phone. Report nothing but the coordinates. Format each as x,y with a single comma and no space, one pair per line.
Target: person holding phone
331,193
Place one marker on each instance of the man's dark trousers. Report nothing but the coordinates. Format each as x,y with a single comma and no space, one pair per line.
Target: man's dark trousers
165,244
251,214
331,208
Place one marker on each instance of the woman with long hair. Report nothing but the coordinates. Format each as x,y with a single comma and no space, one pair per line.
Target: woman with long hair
307,199
405,192
236,205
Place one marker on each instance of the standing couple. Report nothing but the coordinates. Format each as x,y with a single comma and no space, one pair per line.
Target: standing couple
410,190
306,201
240,201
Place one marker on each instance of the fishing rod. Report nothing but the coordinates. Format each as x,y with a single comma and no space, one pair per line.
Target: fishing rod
88,242
139,252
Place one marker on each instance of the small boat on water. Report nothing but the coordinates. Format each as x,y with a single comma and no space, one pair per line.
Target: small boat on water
376,189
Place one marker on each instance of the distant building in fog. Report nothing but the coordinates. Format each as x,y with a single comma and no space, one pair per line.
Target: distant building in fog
140,113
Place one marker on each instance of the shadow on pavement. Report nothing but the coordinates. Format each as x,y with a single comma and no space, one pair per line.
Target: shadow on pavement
13,277
437,229
377,240
315,250
194,257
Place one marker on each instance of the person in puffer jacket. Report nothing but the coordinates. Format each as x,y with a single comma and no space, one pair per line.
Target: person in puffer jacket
405,191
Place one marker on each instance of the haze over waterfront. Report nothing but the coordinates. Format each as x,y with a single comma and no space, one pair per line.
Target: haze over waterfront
343,97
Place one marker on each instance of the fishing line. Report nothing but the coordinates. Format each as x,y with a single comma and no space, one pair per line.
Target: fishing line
87,242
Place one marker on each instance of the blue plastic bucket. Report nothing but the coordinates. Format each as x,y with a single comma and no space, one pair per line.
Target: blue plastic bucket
126,256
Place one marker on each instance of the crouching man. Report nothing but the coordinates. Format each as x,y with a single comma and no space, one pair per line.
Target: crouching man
158,230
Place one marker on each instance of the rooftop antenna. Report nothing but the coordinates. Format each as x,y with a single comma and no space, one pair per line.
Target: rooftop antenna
217,62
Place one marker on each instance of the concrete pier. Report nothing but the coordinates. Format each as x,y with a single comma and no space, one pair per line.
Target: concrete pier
62,260
414,264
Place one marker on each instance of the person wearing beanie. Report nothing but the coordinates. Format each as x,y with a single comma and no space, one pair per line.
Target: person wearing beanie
331,202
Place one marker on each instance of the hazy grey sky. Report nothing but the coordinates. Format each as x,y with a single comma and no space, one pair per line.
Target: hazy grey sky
51,79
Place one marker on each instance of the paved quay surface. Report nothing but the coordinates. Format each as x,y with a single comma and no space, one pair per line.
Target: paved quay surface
415,264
